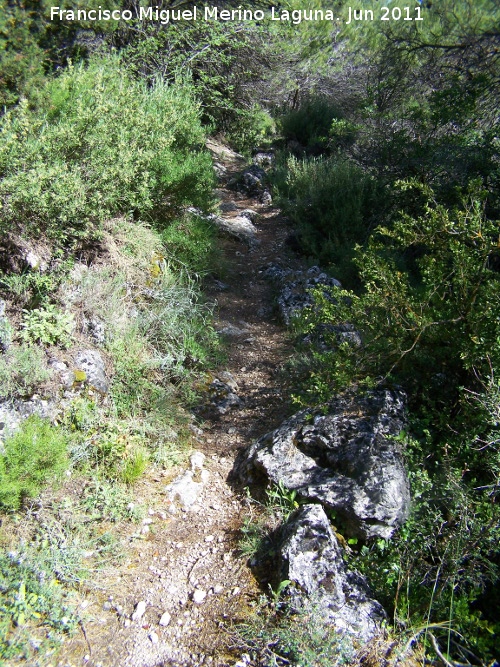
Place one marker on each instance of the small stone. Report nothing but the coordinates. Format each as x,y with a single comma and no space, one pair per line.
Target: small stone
139,612
235,590
218,589
209,538
199,596
153,638
127,623
165,619
106,606
197,459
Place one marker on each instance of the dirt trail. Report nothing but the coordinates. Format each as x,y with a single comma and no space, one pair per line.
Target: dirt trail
197,550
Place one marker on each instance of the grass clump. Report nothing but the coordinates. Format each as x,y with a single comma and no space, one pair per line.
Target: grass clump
304,639
190,242
22,370
35,454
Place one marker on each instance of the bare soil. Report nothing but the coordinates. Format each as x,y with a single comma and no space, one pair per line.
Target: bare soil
174,555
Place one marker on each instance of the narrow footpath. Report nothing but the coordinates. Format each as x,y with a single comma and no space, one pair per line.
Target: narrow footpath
184,583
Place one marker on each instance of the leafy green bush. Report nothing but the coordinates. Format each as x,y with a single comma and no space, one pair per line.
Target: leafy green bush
36,453
428,313
333,204
311,123
48,326
251,129
97,144
22,370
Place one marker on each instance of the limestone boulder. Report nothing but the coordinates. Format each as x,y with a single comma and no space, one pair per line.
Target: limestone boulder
311,558
345,457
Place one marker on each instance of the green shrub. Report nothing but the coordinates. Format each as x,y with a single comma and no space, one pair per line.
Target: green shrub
311,123
32,456
22,370
333,204
225,71
190,243
252,128
428,313
48,325
97,144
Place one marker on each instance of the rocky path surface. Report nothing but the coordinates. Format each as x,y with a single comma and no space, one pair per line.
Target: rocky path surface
184,583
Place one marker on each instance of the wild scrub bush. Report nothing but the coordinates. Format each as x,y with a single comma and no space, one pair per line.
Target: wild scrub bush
333,204
23,370
310,124
225,71
95,144
428,312
33,455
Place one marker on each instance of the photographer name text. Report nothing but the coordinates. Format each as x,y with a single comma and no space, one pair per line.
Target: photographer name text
214,13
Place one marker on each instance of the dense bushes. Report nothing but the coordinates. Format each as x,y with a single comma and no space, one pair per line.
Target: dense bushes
95,144
310,124
428,320
226,62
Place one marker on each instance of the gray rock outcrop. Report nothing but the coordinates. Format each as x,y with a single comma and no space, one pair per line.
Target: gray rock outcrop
14,412
240,227
92,364
311,558
294,288
253,179
222,397
346,459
